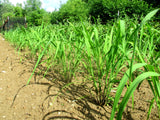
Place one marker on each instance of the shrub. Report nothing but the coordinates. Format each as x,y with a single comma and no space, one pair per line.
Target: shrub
108,10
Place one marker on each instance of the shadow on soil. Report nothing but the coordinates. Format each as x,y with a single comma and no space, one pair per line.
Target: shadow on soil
86,107
49,116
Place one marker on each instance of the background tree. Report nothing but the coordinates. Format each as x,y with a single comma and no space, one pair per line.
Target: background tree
34,12
108,9
0,10
32,5
73,10
55,17
6,9
18,11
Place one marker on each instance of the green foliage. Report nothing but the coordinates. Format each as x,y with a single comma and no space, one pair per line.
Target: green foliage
155,3
136,7
33,12
149,71
107,10
5,15
6,9
55,17
32,5
36,17
97,10
18,11
103,60
73,10
46,17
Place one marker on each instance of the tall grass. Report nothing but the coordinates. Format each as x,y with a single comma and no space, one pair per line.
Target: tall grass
98,51
103,59
149,71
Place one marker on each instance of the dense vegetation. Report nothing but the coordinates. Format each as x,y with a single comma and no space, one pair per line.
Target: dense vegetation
74,10
31,10
121,42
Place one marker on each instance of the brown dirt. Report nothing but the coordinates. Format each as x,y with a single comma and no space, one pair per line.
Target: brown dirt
36,101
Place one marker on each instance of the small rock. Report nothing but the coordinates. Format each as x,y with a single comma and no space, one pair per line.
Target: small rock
74,100
3,116
51,104
72,105
113,91
3,71
0,88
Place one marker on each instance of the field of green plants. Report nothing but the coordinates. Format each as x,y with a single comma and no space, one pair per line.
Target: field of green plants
99,53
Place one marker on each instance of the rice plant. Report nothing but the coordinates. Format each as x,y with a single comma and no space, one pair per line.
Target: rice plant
149,71
103,59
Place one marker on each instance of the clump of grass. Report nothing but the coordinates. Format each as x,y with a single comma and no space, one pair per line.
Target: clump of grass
149,71
103,60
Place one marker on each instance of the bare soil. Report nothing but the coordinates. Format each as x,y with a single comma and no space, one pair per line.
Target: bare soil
44,99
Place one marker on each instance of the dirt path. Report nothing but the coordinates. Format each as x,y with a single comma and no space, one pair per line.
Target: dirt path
13,76
32,102
36,101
